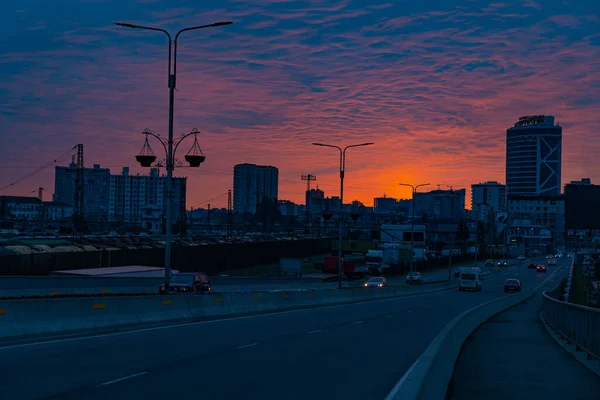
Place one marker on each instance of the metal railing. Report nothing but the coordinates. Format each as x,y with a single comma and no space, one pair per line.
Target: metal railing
575,323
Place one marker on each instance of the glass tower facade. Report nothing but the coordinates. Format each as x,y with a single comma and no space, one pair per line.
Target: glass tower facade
533,157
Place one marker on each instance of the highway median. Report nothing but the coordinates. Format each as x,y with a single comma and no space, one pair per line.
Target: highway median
56,315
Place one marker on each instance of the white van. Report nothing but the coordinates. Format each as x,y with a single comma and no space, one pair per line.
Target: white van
470,279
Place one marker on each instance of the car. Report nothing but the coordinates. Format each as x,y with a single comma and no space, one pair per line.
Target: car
541,268
188,283
521,258
552,261
512,286
470,279
376,281
489,263
414,278
502,264
532,265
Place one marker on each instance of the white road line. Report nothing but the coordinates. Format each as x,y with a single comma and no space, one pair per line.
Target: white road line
357,322
248,345
315,331
410,310
123,378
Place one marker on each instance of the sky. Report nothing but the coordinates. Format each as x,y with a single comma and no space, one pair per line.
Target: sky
434,84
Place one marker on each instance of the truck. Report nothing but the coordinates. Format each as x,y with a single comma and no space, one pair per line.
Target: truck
350,268
374,261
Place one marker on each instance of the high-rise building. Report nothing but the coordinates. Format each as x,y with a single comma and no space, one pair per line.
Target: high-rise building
383,205
487,197
251,183
118,197
129,194
315,200
582,200
440,204
533,157
96,189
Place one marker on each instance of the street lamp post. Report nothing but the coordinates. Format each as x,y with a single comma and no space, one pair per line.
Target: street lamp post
412,230
342,171
169,145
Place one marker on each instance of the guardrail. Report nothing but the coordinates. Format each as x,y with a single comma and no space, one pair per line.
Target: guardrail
575,323
429,377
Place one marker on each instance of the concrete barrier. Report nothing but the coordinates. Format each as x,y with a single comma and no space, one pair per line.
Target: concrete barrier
21,318
428,378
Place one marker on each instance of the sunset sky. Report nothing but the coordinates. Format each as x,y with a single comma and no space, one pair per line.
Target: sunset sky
435,84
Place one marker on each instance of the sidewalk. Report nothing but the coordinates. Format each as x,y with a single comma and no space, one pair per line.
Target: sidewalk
513,357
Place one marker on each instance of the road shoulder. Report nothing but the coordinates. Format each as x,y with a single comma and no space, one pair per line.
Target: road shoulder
512,356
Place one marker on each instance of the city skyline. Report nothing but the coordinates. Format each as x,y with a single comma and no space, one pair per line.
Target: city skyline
434,88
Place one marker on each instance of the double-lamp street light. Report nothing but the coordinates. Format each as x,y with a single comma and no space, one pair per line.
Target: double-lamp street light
342,170
412,229
194,157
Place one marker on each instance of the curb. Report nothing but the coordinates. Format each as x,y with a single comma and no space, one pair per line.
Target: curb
431,367
581,357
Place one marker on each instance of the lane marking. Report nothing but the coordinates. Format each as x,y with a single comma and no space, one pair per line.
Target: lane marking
248,345
315,331
411,310
357,322
123,378
159,328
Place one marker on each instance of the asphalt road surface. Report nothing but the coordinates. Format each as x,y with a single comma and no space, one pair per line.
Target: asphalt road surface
355,351
512,356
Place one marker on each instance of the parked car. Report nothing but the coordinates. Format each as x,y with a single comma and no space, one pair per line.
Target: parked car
376,281
521,258
552,261
489,263
188,283
512,286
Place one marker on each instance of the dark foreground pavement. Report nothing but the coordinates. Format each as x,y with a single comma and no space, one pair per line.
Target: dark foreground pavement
353,351
513,357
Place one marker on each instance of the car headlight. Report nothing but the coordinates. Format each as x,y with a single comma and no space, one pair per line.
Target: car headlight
380,285
366,284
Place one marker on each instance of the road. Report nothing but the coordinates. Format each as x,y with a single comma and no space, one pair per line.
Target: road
15,286
513,357
294,355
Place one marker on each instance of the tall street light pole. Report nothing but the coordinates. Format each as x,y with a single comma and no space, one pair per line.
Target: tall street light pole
170,160
412,230
342,170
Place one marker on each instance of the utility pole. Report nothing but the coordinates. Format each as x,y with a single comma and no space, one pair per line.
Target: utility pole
229,214
308,178
208,218
78,198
